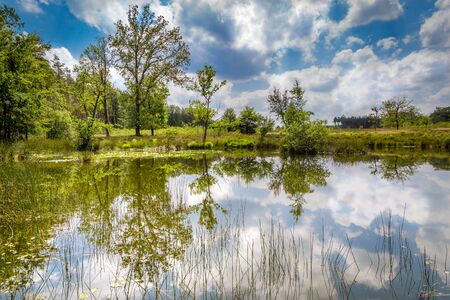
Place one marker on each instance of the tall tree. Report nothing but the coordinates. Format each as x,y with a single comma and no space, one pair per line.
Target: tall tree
96,60
206,86
25,77
148,52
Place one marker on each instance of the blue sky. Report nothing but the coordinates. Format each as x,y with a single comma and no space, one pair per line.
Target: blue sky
348,54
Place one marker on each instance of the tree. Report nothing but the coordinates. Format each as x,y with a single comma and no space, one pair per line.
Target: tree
301,134
440,114
397,111
375,116
155,108
25,77
178,116
229,118
265,126
96,60
278,104
206,86
149,53
248,120
296,98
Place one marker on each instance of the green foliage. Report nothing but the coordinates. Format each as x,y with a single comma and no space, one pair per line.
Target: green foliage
229,119
301,134
206,86
265,126
398,112
249,120
154,113
25,77
86,130
178,116
149,52
60,125
239,144
440,114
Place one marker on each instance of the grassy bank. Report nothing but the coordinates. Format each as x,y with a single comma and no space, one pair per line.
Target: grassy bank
176,139
365,141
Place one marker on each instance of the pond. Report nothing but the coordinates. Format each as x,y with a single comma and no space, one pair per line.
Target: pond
233,226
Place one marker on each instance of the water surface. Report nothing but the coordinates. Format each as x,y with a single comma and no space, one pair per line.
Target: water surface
226,227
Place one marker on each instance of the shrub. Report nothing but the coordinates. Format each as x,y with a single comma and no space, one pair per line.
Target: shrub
59,126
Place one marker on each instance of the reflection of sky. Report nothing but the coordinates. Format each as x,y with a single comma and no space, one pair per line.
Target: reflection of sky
351,205
352,208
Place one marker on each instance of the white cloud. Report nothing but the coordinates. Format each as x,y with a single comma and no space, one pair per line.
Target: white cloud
353,40
357,80
32,6
362,12
407,39
103,14
435,31
387,43
64,55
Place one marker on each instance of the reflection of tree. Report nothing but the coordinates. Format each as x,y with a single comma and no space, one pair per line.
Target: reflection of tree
296,176
202,185
440,163
394,168
152,232
248,168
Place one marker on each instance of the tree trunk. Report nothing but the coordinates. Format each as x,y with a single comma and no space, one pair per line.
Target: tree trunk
153,131
105,104
205,128
138,112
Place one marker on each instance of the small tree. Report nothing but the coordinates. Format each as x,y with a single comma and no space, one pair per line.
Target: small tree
397,111
278,104
375,116
248,120
296,96
206,86
229,118
264,127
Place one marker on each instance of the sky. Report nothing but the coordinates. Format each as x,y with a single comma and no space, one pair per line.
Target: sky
348,55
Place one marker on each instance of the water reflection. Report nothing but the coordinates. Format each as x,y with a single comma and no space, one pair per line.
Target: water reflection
293,227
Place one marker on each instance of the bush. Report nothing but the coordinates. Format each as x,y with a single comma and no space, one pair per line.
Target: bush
305,138
59,126
86,130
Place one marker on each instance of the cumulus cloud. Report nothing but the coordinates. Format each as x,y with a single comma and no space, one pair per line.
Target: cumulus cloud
64,55
227,33
435,31
357,80
387,43
362,12
353,40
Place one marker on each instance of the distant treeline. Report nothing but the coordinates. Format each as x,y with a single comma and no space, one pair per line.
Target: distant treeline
397,112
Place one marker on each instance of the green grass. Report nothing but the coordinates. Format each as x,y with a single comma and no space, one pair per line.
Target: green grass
357,141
